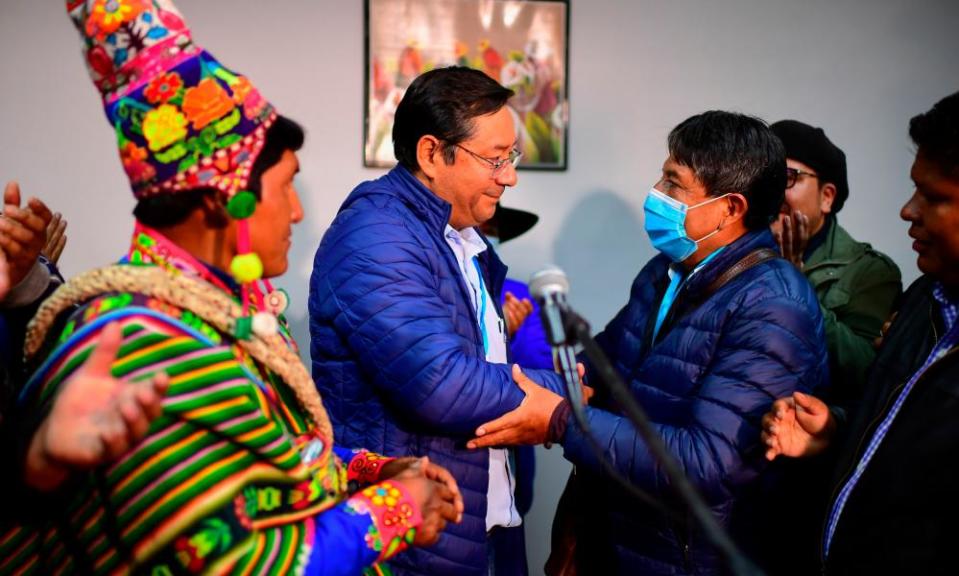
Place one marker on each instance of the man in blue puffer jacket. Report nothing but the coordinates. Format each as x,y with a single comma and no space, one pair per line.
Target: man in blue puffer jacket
408,342
703,349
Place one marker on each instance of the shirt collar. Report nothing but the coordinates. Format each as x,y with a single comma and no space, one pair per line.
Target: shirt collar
150,247
947,304
468,238
676,269
819,238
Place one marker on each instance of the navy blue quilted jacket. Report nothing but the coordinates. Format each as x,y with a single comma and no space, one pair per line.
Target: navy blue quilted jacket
718,363
397,353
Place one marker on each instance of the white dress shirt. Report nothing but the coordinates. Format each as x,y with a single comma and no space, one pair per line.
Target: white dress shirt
467,245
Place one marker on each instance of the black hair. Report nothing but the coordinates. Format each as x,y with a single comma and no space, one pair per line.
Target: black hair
443,103
163,210
730,152
936,134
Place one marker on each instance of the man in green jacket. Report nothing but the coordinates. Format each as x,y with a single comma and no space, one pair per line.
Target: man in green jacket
857,286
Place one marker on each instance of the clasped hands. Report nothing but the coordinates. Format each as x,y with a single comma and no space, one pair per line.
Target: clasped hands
433,489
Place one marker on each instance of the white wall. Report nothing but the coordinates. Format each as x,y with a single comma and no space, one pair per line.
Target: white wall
859,68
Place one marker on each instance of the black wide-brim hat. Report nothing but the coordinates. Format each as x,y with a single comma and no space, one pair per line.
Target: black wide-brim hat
512,222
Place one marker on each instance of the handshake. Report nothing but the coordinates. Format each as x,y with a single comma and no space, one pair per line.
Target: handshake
529,423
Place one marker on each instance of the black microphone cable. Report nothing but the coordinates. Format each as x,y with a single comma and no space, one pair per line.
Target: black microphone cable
549,287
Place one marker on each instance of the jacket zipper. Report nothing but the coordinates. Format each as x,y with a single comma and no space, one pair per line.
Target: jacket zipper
683,534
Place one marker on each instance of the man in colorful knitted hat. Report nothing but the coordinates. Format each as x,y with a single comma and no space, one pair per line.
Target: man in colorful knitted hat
239,473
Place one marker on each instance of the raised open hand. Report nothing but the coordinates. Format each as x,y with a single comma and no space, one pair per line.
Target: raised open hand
515,311
23,231
56,238
95,417
796,426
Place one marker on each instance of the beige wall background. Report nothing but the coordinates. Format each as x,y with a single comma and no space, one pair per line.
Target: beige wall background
859,68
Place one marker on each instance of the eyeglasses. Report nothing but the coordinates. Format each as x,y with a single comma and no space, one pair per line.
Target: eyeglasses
793,174
498,164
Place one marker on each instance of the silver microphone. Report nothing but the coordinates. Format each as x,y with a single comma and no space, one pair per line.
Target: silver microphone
549,287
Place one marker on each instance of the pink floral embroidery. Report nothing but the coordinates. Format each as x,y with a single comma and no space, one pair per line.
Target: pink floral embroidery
253,104
395,517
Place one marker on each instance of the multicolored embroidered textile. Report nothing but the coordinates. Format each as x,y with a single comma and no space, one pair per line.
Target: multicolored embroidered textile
182,119
365,467
232,478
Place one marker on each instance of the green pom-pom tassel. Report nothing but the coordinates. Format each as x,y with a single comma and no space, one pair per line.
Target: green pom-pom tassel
242,205
246,268
243,328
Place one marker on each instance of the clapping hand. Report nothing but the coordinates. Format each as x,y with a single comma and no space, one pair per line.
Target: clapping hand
792,234
95,417
797,426
23,231
515,311
56,238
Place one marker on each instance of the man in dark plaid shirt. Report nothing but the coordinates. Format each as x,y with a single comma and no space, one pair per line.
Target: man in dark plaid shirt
893,509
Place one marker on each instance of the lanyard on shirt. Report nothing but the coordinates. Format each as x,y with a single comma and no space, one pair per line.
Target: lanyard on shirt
675,281
482,311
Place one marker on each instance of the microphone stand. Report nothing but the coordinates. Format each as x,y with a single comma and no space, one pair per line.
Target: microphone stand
567,366
577,329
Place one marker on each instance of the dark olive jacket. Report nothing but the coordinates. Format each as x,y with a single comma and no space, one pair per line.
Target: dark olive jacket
857,288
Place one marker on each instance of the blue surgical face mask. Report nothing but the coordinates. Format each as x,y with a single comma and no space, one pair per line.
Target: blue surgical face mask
666,225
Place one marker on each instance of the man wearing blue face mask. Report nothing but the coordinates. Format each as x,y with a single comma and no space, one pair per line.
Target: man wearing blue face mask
716,326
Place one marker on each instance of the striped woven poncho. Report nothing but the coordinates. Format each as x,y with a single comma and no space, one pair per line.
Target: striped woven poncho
234,477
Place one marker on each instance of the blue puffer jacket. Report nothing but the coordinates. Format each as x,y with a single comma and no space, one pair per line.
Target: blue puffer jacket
397,353
718,363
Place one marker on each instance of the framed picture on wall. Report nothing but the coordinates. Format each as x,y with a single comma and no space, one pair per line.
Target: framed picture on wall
523,44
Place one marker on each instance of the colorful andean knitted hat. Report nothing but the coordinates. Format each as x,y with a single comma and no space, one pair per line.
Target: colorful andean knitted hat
183,121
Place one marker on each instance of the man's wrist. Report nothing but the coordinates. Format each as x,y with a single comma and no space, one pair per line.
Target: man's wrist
558,422
366,468
41,472
29,288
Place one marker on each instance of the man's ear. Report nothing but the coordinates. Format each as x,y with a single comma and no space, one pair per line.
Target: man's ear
736,208
429,153
827,195
214,210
